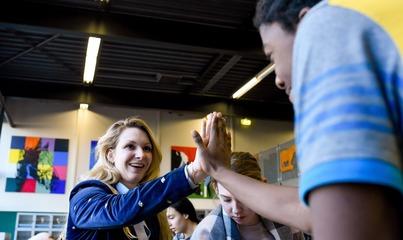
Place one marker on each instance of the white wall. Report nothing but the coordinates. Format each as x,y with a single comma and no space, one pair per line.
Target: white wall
176,130
57,119
260,135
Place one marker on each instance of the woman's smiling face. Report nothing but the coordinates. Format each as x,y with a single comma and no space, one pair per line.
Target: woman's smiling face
132,156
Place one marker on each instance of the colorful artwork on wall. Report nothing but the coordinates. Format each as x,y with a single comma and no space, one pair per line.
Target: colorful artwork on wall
41,165
92,153
181,156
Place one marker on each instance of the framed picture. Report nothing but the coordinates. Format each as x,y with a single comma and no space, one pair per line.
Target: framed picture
40,165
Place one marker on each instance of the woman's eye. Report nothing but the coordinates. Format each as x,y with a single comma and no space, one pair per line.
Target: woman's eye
130,146
147,148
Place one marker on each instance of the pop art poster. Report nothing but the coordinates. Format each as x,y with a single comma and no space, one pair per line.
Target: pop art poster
181,156
40,164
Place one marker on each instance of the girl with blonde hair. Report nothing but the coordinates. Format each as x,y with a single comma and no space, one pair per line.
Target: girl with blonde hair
232,219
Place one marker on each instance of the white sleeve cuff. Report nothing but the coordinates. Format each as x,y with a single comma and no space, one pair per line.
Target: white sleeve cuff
191,183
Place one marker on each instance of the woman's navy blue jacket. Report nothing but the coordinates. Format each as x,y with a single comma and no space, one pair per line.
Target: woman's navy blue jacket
96,213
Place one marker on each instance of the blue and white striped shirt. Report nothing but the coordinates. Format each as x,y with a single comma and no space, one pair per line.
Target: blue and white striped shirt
348,100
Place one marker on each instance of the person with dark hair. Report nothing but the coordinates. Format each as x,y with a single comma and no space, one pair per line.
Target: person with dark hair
232,219
340,63
182,219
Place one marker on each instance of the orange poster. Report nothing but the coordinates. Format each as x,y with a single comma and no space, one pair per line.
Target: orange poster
287,159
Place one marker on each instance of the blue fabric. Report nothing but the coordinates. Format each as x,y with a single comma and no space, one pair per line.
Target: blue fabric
180,236
96,213
351,171
225,227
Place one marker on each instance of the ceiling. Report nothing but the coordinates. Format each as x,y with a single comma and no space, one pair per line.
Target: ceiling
182,54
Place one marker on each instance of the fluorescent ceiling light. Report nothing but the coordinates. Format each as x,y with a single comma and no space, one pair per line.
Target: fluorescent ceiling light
91,59
255,80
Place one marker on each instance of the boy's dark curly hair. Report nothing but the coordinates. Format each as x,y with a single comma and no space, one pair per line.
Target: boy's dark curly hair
284,12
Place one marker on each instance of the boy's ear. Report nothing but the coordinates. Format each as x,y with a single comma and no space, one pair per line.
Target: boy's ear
303,12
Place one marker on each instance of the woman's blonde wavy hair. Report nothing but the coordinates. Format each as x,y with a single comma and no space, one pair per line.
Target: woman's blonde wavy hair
105,171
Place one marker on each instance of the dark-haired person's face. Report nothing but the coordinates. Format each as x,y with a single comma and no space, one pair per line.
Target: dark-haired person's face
277,45
177,222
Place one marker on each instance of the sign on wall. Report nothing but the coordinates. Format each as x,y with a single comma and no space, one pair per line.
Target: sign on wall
40,165
287,159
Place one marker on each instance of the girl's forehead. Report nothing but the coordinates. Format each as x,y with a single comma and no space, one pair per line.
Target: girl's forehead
171,210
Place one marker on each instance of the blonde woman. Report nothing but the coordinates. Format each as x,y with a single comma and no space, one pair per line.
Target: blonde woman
233,220
123,196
